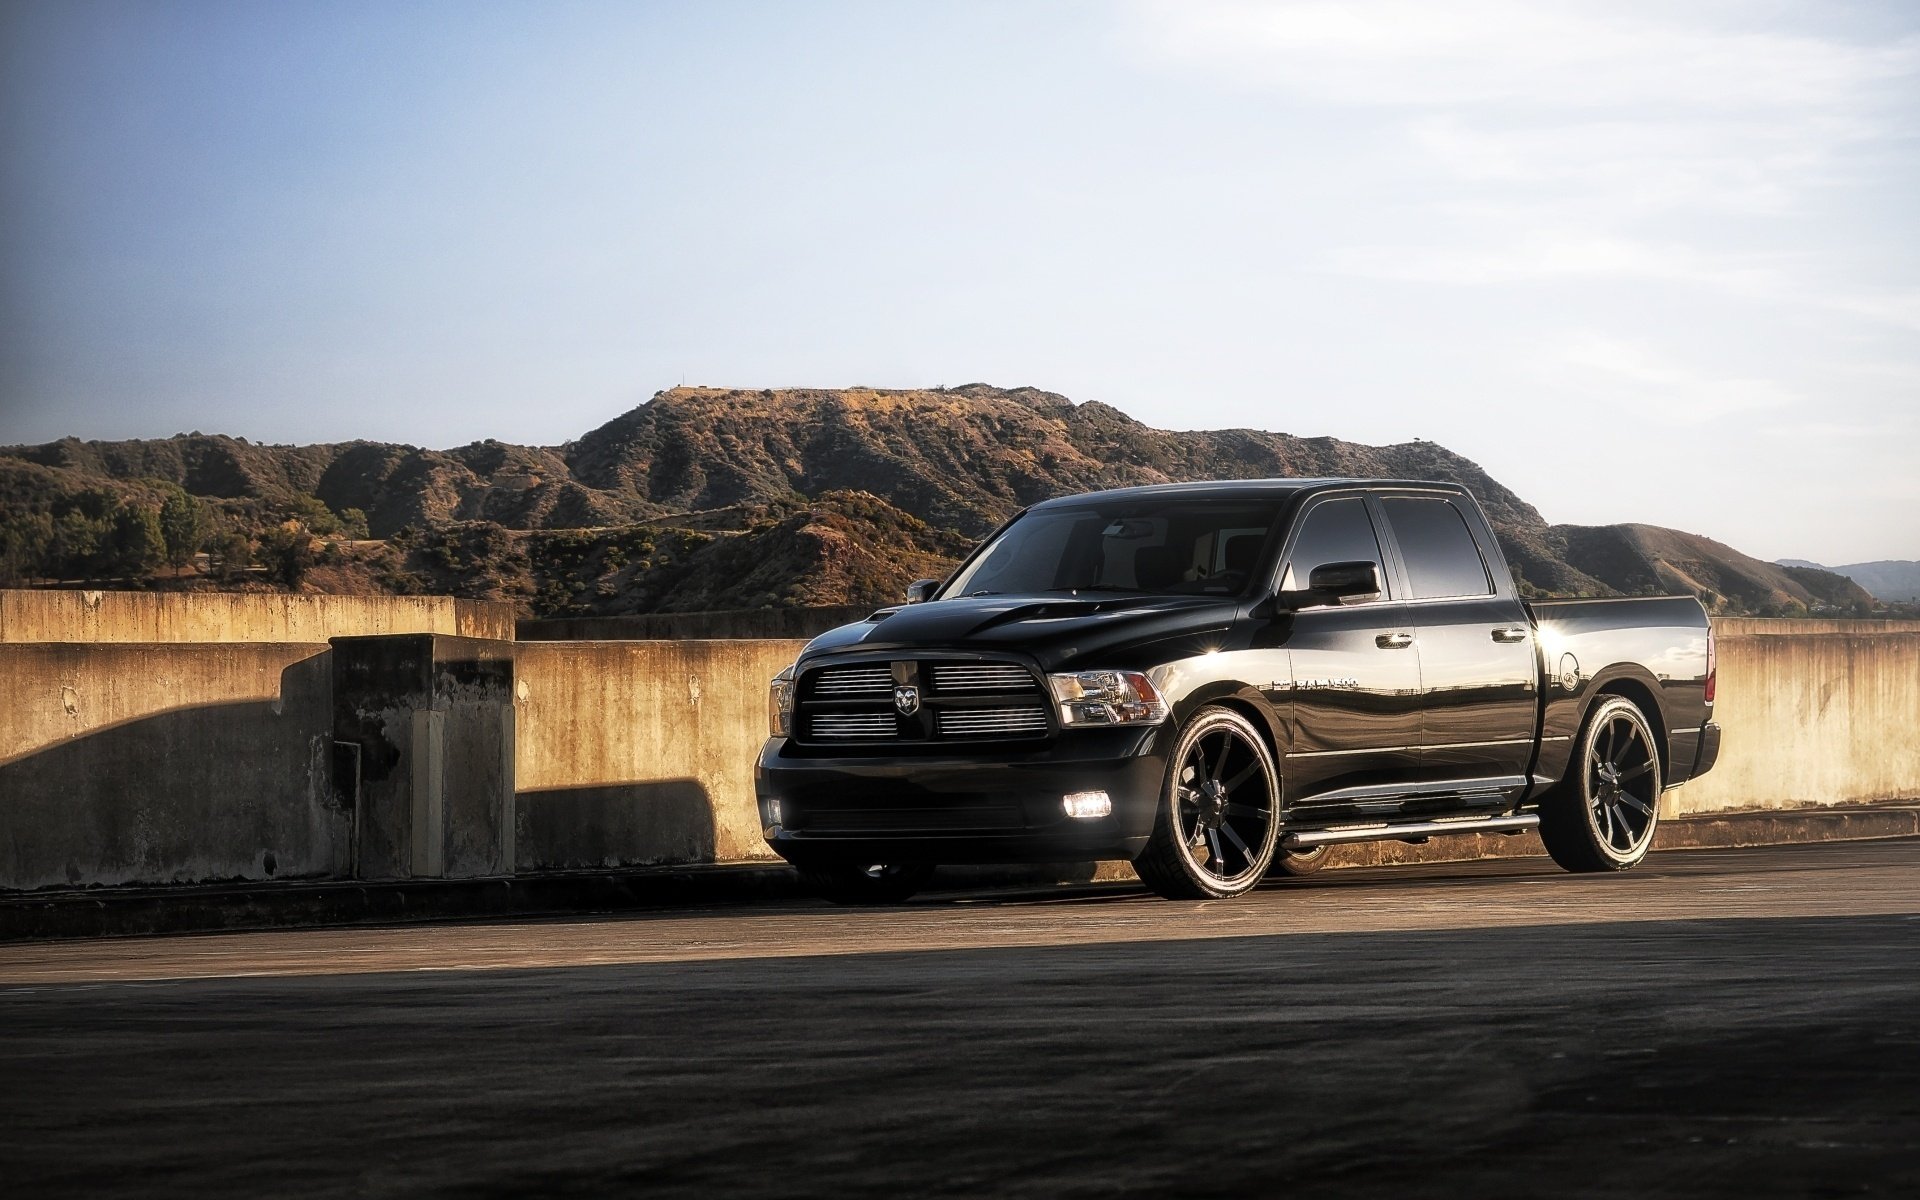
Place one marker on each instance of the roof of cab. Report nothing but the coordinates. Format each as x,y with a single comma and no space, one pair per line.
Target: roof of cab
1239,489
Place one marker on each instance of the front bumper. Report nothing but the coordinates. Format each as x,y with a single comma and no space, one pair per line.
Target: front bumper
996,804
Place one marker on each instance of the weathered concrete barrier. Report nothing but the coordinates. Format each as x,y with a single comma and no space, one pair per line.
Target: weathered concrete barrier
423,754
641,752
387,756
54,615
160,764
1825,715
673,627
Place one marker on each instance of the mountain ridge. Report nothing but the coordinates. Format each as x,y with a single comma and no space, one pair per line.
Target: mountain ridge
934,468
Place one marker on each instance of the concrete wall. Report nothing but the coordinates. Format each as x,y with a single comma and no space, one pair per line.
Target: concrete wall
641,752
53,615
139,763
1812,713
730,623
157,764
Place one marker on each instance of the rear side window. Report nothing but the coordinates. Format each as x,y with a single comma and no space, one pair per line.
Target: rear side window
1335,531
1438,549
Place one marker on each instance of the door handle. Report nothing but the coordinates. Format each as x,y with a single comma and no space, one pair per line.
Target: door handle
1394,641
1516,633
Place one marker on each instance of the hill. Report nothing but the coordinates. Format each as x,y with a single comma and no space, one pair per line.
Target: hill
1896,581
1649,559
778,497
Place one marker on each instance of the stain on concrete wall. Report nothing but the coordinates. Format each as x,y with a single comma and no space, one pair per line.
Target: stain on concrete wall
641,752
77,616
165,764
1821,717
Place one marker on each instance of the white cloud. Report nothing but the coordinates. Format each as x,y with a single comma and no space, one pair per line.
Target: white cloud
1618,371
1563,56
1586,141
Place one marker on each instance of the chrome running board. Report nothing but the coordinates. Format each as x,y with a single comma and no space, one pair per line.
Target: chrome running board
1341,835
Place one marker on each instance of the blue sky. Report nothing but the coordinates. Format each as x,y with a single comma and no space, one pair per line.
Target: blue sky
1642,262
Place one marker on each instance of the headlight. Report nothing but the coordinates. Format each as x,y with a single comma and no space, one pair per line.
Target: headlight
780,704
1107,698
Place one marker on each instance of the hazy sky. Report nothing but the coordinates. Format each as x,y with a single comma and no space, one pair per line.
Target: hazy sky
1642,262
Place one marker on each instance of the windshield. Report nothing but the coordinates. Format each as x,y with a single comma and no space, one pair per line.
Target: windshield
1160,548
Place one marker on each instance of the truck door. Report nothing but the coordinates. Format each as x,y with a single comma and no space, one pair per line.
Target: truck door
1477,664
1355,687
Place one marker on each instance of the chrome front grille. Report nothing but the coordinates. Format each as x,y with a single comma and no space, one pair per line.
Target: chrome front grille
982,677
853,726
992,722
920,701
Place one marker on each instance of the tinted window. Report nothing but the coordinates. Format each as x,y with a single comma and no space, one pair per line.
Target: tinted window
1438,548
1165,546
1335,531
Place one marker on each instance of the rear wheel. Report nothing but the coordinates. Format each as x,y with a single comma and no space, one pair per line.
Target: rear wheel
879,883
1603,814
1217,826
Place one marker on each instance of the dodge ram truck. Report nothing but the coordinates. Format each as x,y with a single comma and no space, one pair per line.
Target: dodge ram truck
1220,681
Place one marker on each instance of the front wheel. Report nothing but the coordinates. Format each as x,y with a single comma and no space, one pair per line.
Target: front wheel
879,883
1602,816
1218,824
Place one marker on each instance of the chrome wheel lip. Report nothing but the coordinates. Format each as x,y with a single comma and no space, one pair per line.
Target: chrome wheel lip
1622,785
1224,803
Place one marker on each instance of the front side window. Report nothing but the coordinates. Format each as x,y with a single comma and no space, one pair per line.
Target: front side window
1157,547
1334,531
1438,549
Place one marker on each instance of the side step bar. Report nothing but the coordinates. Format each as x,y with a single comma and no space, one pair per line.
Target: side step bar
1342,835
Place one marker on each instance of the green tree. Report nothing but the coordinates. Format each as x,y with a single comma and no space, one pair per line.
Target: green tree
25,540
312,512
134,543
183,525
286,551
78,544
353,523
230,554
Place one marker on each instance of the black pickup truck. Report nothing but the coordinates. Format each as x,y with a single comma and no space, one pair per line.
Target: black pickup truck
1219,681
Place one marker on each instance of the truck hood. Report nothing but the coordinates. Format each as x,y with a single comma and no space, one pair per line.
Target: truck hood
1057,630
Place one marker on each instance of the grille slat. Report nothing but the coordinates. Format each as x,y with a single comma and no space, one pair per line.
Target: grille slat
989,722
872,726
854,681
990,677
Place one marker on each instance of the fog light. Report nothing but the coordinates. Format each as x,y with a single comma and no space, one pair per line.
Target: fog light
770,811
1085,806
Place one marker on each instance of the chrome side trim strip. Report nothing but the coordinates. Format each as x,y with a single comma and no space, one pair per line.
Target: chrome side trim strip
1525,741
1346,835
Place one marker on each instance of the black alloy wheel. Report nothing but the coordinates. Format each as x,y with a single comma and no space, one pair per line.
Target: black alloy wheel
1603,815
857,884
1217,828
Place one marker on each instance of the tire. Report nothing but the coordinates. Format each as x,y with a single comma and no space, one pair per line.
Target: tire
1603,815
852,884
1217,828
1296,863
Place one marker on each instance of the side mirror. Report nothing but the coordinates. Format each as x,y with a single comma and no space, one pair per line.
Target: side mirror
1333,583
921,590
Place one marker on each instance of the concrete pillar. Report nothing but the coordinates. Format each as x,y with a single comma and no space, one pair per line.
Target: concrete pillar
423,754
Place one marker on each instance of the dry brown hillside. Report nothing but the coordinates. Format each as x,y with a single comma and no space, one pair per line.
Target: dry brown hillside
709,497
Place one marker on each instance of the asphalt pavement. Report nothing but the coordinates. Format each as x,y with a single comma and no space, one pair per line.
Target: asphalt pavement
1714,1023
